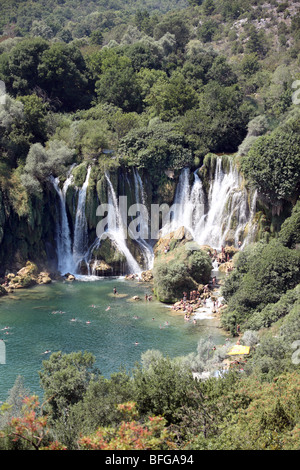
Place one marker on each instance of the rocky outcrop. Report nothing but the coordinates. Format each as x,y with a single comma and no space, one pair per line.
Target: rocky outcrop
27,276
172,240
147,276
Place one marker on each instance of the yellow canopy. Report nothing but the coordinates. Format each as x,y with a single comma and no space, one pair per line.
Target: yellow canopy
237,349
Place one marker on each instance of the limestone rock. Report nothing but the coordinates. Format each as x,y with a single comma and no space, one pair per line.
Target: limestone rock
44,278
147,276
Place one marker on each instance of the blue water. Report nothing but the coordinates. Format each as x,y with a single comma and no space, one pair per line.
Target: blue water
35,326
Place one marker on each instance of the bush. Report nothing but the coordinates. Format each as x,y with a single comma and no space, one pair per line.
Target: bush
273,312
178,271
273,163
289,234
42,162
263,273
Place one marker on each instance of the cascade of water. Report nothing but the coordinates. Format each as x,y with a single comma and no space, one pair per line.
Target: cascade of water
70,254
63,234
226,201
180,213
80,244
116,231
227,214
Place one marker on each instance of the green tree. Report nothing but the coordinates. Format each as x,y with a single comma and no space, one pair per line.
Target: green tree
207,30
171,98
289,234
117,82
42,162
63,75
65,379
257,42
264,272
161,389
35,117
173,24
273,163
96,37
20,70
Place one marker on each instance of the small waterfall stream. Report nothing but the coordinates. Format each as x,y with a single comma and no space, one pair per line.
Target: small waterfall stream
63,234
80,244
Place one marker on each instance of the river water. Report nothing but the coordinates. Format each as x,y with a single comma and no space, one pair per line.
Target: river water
75,316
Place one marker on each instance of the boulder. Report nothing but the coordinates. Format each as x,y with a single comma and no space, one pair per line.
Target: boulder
147,276
44,278
102,268
30,269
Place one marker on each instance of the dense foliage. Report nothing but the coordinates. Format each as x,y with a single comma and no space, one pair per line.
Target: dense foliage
181,269
263,273
159,86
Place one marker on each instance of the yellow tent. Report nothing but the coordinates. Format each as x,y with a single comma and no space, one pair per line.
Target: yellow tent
237,349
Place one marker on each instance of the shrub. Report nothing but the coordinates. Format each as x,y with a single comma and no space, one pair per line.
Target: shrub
180,270
263,273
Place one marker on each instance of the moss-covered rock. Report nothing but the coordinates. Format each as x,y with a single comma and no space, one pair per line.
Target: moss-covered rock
3,291
180,269
108,253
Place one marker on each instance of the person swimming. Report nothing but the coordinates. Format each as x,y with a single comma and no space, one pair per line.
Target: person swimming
108,308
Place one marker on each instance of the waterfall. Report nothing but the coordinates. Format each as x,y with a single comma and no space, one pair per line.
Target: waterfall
70,253
228,211
80,244
116,230
222,214
140,199
63,234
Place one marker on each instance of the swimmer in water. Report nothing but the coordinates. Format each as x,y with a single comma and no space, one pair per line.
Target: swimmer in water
136,343
47,351
87,322
108,308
